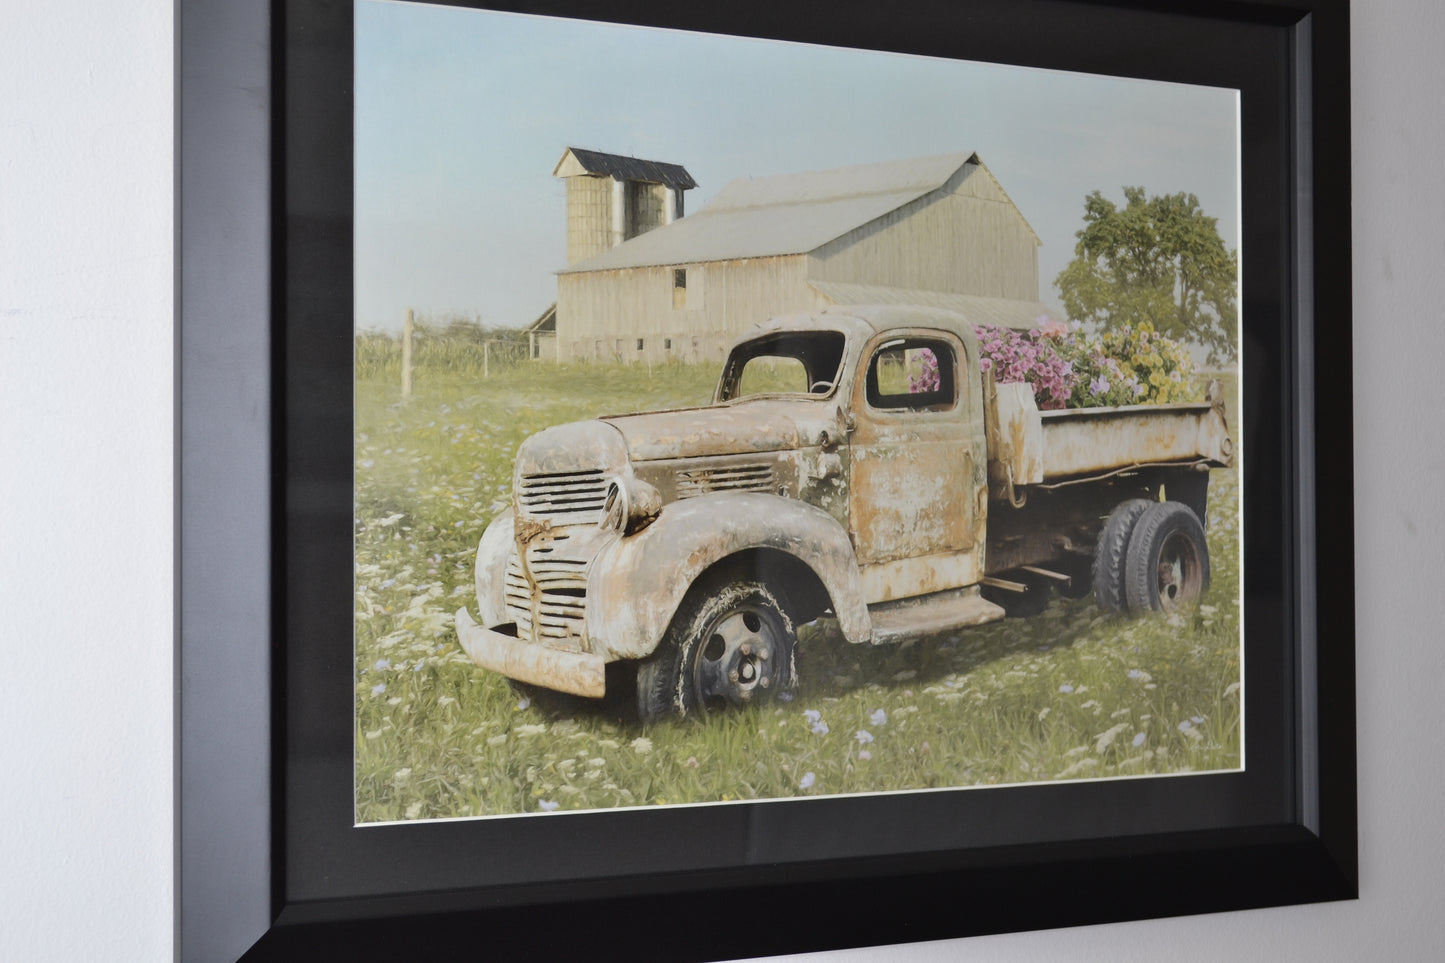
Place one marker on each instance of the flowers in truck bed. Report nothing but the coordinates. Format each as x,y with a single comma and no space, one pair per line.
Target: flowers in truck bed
1066,369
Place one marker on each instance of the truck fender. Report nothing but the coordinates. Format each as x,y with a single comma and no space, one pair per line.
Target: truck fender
638,582
496,547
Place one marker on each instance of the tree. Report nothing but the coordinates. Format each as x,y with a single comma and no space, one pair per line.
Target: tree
1158,260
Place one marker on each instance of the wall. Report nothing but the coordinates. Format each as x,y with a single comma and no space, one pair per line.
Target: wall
966,237
85,494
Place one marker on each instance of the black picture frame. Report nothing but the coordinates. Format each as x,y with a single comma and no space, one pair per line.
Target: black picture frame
268,864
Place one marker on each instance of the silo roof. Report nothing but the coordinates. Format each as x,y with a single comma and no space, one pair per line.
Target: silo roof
628,168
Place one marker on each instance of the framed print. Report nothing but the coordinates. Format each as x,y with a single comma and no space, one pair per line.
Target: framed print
644,461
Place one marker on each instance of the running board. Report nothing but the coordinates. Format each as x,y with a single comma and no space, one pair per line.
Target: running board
907,620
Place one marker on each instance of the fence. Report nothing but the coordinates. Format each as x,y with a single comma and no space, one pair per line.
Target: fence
425,349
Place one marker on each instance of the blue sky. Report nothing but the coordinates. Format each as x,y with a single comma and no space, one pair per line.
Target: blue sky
461,116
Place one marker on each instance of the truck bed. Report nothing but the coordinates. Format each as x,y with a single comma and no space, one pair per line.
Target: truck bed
1027,446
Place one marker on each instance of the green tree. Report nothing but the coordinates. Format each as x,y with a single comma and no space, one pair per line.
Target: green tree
1156,259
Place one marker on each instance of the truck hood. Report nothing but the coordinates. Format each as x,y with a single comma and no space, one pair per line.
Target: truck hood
746,428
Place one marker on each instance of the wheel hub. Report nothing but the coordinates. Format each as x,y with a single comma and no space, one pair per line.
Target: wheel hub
734,660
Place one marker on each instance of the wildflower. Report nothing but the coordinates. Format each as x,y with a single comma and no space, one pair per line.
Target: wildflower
381,664
523,704
388,583
414,810
401,775
378,689
1138,739
1066,688
642,745
1197,720
879,717
548,805
809,778
691,763
820,728
1099,385
812,715
863,736
1185,726
864,754
785,697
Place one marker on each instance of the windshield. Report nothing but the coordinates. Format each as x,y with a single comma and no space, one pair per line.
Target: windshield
789,363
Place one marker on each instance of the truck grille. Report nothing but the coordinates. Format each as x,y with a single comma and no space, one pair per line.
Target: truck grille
563,493
554,608
692,482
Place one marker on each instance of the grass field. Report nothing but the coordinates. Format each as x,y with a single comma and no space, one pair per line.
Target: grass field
1064,695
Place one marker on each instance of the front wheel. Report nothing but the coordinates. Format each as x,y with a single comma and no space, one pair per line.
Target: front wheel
1168,564
730,644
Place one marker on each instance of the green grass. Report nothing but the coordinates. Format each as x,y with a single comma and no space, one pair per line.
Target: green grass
1066,694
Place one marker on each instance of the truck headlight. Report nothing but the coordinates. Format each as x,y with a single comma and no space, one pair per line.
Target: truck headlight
630,506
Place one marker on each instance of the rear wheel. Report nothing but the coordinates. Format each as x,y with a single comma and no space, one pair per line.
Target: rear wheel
730,644
1168,563
1111,554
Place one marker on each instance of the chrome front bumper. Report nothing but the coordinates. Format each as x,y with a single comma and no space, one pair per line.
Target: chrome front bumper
550,664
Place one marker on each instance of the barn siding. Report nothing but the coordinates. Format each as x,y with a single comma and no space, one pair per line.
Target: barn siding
966,237
602,314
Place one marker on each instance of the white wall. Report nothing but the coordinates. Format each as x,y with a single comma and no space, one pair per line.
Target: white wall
85,495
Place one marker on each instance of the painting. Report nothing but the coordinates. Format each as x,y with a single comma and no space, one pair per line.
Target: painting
742,421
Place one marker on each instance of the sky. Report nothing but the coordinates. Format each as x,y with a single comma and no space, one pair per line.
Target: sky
461,116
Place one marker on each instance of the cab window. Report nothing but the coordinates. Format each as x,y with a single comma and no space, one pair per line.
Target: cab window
916,374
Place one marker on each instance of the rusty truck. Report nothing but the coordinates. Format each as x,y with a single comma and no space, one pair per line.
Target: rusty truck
829,479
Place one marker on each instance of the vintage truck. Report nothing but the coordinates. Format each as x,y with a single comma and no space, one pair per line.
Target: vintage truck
856,464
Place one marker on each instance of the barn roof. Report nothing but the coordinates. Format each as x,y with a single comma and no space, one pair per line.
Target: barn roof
622,168
977,309
783,214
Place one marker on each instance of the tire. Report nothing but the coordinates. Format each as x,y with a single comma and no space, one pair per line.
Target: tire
1111,554
1168,564
730,644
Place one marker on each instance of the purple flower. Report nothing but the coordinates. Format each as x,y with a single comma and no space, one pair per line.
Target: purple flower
1138,739
523,704
1066,688
809,778
879,717
1099,385
548,805
820,728
864,754
863,736
812,715
1185,726
378,689
382,664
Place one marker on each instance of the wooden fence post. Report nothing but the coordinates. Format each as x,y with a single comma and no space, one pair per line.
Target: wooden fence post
486,359
406,355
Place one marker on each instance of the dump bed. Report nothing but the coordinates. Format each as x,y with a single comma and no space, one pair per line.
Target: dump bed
1027,446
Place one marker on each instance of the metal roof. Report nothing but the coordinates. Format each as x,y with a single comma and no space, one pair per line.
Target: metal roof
629,168
978,310
783,214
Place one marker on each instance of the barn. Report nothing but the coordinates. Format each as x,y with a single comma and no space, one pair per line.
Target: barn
934,230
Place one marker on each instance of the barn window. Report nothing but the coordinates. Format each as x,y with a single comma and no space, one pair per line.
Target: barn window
639,344
679,287
666,344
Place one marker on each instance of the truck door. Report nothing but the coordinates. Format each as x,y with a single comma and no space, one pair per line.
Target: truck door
915,485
